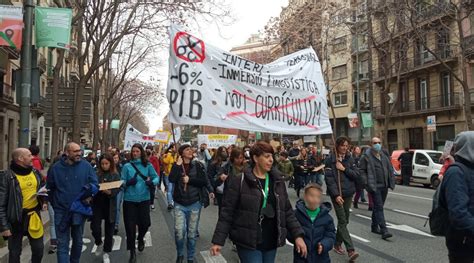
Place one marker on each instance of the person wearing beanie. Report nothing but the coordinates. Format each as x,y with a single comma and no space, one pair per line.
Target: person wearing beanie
188,178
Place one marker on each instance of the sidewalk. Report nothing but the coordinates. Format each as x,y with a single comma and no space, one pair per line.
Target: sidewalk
26,253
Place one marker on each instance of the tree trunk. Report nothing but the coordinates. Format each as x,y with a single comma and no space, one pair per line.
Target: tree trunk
54,104
464,68
95,111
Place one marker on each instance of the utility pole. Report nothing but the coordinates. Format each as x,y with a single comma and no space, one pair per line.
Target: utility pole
359,136
25,64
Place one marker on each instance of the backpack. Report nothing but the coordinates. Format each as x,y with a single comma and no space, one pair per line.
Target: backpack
439,215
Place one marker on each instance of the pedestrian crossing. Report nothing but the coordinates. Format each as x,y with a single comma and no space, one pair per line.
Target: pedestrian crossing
116,245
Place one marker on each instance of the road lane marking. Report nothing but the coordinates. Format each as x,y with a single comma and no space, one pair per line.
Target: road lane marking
412,196
359,238
404,228
409,213
212,259
364,216
117,243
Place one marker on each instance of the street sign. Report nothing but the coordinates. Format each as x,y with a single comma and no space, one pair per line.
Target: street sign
431,123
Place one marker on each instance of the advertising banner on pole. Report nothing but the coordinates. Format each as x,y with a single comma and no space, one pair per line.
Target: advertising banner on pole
210,86
11,26
53,27
431,123
214,141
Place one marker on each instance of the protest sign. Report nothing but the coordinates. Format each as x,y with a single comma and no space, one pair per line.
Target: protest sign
133,136
214,141
162,136
209,86
110,185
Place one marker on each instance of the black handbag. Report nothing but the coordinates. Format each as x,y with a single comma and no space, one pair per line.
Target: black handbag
152,187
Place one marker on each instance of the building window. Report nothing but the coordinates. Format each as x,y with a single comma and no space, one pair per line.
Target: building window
340,98
339,72
472,23
423,94
339,44
446,89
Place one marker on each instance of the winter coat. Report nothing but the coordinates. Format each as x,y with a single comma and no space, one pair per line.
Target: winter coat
102,201
37,163
368,173
213,170
197,180
140,191
65,182
227,169
286,168
11,199
322,230
336,179
168,160
155,162
240,211
457,196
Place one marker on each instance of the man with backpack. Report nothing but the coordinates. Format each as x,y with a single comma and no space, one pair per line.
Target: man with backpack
457,197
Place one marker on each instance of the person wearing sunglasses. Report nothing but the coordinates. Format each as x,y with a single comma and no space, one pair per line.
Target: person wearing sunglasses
377,173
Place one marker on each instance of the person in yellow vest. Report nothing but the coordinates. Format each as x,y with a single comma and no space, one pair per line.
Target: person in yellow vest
168,160
21,201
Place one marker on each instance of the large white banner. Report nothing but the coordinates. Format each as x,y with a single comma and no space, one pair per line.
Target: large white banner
209,86
214,141
133,136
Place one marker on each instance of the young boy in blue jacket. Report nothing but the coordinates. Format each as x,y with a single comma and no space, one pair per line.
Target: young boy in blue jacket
318,225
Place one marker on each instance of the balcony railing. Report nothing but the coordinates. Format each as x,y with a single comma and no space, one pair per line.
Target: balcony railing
6,94
430,11
468,46
416,63
423,105
363,76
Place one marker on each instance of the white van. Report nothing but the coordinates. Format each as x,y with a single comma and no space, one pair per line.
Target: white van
426,167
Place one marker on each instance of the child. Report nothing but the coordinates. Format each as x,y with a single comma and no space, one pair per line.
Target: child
104,206
318,225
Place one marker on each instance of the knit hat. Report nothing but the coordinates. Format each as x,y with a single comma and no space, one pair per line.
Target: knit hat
182,148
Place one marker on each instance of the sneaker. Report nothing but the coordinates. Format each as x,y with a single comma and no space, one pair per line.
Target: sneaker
170,207
52,249
370,209
234,247
106,258
141,245
338,249
356,205
152,207
363,200
353,256
386,235
116,231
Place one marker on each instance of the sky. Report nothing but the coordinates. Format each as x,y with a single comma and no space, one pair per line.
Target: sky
250,17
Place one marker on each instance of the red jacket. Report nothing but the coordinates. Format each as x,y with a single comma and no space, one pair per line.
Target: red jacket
156,164
37,164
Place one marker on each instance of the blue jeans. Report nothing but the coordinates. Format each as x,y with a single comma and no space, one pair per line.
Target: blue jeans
169,193
52,227
186,220
72,231
119,206
256,256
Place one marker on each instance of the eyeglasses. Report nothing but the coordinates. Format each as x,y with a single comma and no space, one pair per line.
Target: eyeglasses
376,142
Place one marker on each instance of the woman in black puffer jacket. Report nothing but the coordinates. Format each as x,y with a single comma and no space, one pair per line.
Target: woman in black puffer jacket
256,213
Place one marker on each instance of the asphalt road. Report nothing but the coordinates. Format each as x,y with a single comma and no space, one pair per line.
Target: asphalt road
406,211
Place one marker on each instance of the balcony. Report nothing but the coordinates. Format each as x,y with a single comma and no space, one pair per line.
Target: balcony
6,94
359,47
429,12
417,63
363,77
39,108
468,45
427,105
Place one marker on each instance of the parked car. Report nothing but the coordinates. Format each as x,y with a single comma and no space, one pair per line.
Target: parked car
425,167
